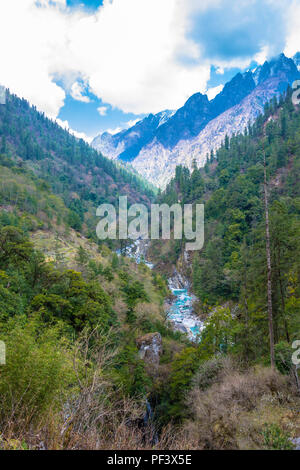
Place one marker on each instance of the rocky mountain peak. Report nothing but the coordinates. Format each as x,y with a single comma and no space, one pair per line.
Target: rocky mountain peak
280,65
296,59
158,143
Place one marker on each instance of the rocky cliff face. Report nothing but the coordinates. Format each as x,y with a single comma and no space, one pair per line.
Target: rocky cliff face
150,348
157,163
156,145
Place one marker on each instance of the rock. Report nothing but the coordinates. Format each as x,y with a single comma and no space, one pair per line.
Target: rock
177,281
296,442
150,347
181,328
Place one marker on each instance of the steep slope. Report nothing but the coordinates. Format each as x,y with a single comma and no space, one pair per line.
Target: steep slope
127,144
297,59
77,320
73,169
201,125
72,317
230,186
189,120
73,314
157,163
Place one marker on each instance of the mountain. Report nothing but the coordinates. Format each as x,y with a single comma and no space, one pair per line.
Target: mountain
201,125
127,144
296,59
189,120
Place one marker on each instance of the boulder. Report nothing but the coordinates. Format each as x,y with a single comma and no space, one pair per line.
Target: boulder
150,347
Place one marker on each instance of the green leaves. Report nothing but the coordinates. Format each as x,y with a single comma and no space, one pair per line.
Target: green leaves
37,374
15,248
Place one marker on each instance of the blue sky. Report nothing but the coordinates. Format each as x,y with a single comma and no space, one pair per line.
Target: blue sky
103,64
225,33
85,116
89,4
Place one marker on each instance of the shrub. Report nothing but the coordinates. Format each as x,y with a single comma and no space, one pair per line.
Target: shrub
37,374
276,439
228,408
283,357
209,372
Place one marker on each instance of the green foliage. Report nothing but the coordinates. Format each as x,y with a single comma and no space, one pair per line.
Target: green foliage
276,439
76,302
160,283
219,333
134,292
29,285
37,155
15,248
173,397
115,262
131,374
82,255
283,357
232,265
37,374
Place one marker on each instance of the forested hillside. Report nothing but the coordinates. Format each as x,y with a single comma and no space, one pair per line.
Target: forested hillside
73,317
73,314
231,270
89,345
79,174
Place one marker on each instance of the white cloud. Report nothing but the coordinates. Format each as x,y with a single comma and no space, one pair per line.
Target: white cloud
122,127
77,91
26,51
213,92
79,135
126,52
293,38
132,123
102,110
114,131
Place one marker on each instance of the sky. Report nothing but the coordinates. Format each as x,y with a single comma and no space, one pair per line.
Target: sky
101,65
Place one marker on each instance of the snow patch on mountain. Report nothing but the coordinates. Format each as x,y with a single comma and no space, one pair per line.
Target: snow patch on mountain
157,164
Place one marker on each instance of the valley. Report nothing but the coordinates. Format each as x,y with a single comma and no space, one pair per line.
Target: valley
98,330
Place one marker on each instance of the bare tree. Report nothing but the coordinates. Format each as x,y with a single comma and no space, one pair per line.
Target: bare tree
269,267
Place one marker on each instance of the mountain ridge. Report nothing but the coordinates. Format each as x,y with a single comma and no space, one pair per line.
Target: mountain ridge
187,127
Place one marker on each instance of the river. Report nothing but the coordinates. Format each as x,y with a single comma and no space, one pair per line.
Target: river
182,315
180,311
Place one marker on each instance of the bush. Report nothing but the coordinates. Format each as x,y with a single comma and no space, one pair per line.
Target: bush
283,357
37,374
276,439
209,372
229,408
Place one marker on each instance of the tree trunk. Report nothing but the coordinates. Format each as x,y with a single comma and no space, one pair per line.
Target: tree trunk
269,268
286,327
